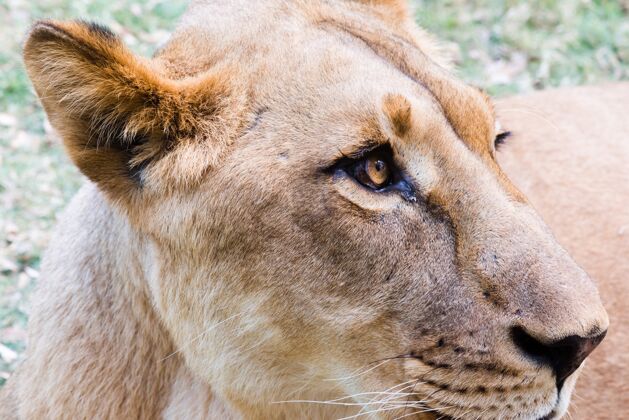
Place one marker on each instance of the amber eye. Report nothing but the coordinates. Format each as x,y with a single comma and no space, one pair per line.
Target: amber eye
377,170
373,171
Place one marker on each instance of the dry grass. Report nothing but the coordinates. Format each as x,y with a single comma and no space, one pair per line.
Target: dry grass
503,46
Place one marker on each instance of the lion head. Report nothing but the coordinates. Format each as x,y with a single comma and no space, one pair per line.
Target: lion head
324,222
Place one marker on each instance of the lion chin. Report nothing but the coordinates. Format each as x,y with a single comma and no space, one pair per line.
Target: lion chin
296,210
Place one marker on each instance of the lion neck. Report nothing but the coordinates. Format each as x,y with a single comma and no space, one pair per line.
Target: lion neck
108,328
97,269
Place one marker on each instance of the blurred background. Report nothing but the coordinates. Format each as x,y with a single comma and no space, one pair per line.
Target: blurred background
506,47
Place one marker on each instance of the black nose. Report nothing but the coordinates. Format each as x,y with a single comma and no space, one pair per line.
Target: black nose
564,356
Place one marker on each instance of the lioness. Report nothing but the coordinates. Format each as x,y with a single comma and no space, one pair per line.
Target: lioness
294,211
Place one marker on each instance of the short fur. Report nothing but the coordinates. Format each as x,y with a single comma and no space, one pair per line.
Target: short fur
214,266
569,154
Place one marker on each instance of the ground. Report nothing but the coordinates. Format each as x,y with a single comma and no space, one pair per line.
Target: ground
503,46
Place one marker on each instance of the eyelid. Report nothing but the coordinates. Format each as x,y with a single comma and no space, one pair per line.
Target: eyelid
362,150
346,158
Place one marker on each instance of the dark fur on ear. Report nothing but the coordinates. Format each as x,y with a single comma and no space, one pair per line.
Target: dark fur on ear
115,113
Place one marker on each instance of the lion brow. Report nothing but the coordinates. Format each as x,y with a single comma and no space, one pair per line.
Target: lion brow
349,30
454,98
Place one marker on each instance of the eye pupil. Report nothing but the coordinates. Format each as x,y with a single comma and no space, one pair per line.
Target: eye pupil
377,171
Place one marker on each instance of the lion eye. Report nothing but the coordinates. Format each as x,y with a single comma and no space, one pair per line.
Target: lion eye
372,171
377,170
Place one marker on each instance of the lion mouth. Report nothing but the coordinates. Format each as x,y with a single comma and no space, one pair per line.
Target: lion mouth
438,414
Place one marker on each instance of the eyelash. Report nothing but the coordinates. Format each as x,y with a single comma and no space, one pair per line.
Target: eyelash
501,138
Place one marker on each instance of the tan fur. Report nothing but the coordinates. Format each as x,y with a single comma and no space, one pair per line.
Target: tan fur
398,111
215,266
570,156
132,114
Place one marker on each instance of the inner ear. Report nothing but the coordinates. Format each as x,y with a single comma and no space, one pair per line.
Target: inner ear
116,114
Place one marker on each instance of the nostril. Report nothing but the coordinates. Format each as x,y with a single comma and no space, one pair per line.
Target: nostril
564,356
532,347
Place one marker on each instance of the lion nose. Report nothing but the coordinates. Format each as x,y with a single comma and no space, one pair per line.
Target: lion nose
564,356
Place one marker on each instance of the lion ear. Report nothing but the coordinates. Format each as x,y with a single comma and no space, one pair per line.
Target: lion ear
395,10
118,116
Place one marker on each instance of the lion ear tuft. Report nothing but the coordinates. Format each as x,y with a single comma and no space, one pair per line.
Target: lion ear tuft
115,113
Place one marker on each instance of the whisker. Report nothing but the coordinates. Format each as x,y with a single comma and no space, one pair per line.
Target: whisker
569,415
360,373
408,415
379,410
574,394
423,409
339,401
413,381
414,385
538,115
201,335
413,413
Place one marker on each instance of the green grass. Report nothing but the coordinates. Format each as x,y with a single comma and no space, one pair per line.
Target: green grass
502,46
514,46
